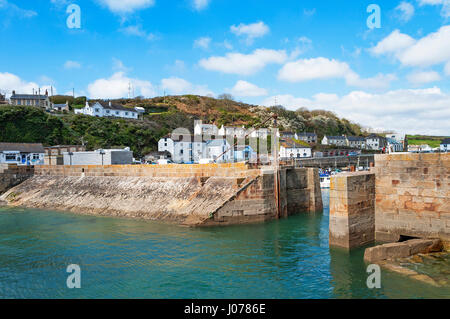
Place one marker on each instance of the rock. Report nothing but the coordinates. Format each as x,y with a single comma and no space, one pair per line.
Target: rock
402,249
437,246
426,279
3,203
419,245
400,269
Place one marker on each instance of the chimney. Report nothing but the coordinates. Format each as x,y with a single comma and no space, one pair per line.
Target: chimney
14,92
46,92
110,103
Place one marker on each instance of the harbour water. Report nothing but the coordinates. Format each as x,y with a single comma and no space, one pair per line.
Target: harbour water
122,258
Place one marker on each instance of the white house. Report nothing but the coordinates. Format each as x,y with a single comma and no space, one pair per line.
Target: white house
107,109
393,145
292,149
334,140
375,142
183,148
399,138
356,142
445,145
244,153
215,150
237,131
205,129
307,137
22,153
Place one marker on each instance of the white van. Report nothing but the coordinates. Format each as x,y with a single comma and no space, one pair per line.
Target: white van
164,161
206,161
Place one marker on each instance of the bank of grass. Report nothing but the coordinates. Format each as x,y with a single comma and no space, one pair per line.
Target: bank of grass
432,141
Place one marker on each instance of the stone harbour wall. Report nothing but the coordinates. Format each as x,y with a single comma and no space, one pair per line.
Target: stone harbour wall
412,196
12,175
194,195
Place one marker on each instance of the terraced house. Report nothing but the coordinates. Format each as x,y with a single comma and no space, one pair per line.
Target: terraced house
31,100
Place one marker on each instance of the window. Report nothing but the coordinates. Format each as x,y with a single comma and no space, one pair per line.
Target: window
126,113
97,110
107,111
35,156
10,157
18,102
117,112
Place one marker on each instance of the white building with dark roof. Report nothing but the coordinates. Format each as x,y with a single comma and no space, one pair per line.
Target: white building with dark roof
334,140
107,109
445,145
22,153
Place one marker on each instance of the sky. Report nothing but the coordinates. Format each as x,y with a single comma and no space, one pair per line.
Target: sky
321,54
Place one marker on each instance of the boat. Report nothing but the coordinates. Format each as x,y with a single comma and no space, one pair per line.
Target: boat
325,179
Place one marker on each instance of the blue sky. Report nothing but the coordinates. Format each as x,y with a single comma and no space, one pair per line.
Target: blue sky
314,54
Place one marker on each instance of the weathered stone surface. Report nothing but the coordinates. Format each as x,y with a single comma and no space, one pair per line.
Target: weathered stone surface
400,250
412,192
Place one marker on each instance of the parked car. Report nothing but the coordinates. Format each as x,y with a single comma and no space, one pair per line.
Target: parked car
164,161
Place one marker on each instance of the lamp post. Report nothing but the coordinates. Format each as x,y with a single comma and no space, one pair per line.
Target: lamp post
102,152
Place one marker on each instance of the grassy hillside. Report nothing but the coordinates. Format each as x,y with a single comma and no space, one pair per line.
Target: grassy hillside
432,141
162,115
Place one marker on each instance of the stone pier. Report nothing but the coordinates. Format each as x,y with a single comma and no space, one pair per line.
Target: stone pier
404,196
12,175
352,209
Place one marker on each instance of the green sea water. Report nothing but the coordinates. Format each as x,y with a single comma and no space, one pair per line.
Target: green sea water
121,258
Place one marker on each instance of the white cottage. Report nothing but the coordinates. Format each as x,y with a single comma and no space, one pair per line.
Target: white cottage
107,109
22,153
183,148
291,149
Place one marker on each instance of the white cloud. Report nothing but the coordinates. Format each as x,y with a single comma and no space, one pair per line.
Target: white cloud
203,43
445,11
309,12
244,88
10,82
244,64
180,86
13,9
414,111
423,77
250,31
200,4
117,87
429,50
447,68
406,11
432,49
136,30
323,68
126,6
393,43
118,66
72,65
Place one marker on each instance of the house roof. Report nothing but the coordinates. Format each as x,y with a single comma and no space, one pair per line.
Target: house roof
216,142
373,135
356,138
446,141
335,137
29,97
306,134
22,147
115,107
290,143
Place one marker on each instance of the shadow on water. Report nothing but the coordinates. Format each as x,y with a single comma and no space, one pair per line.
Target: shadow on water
121,258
